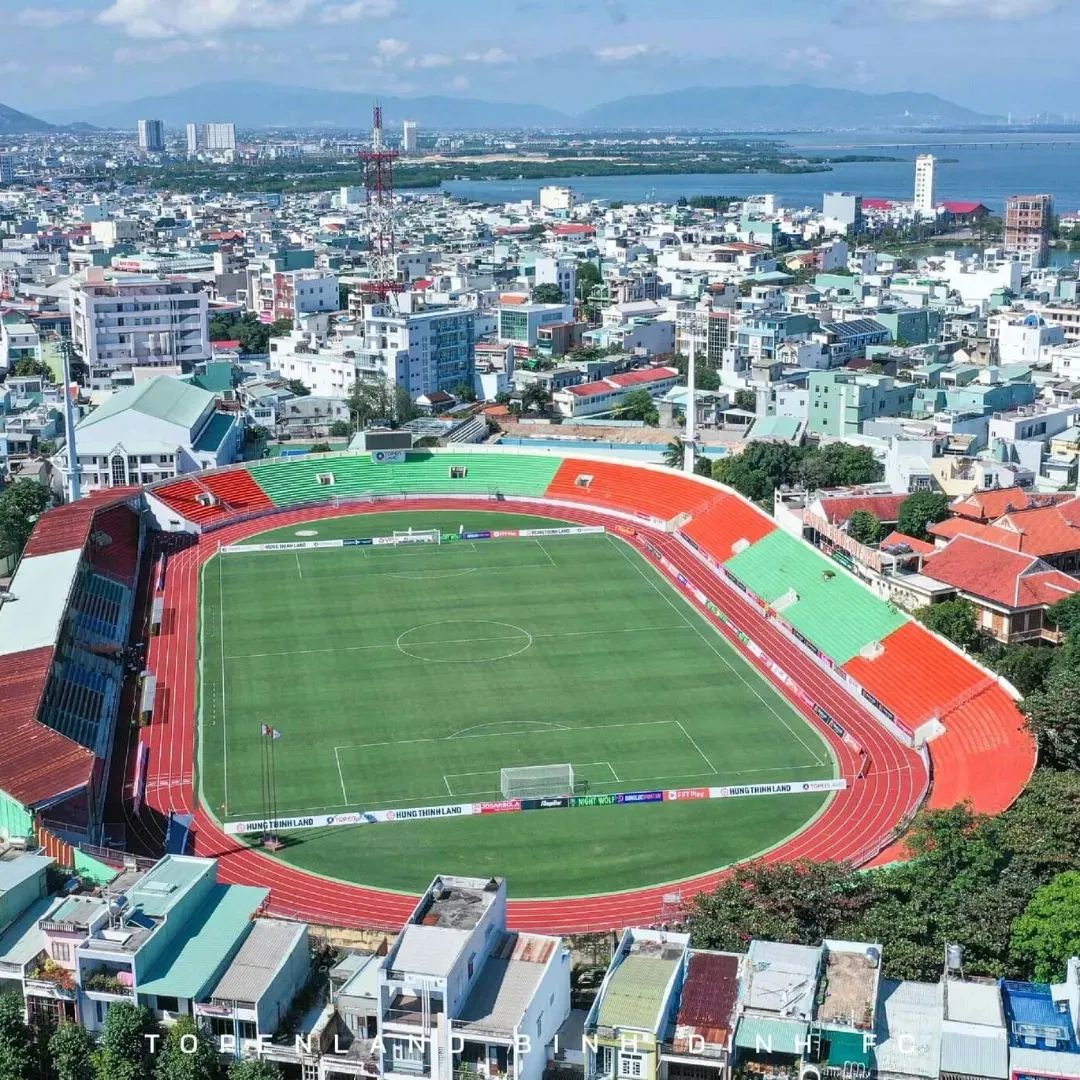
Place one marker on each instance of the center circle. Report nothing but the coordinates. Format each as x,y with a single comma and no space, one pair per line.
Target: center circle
464,641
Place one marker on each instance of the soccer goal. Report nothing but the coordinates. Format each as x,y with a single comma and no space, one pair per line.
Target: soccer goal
417,536
537,781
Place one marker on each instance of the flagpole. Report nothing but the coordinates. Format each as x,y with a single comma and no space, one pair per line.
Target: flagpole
264,774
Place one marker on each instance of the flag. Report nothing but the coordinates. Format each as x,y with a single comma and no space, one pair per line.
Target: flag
273,733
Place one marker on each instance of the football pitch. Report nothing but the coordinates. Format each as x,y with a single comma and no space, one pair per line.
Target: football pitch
411,675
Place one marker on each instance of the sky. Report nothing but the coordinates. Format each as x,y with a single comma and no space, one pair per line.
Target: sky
995,56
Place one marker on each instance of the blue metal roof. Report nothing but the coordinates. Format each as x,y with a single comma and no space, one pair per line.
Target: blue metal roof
1032,1014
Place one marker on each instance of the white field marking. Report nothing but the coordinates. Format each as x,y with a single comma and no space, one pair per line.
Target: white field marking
449,790
547,553
460,641
543,725
499,735
341,777
428,575
224,726
298,570
697,748
697,630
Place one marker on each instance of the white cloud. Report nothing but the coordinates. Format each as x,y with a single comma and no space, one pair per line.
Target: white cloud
492,56
48,18
391,48
927,10
810,57
196,18
618,53
433,60
458,82
357,11
69,72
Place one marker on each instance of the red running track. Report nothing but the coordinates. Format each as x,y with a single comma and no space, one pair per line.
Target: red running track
854,826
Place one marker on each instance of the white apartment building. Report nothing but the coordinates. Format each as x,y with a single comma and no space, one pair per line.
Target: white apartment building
1024,339
925,186
196,139
220,136
556,270
18,341
556,200
326,369
421,349
126,320
460,995
288,294
151,136
408,137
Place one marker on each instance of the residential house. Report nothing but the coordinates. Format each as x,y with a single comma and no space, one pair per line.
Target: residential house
974,1044
699,1045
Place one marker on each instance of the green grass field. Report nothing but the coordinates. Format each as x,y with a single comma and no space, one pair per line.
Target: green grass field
411,675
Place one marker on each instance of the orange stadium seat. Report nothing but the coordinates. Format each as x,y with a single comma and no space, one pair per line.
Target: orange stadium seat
627,487
725,521
182,496
237,489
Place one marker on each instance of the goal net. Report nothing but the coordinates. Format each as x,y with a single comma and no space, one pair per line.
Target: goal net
537,781
417,536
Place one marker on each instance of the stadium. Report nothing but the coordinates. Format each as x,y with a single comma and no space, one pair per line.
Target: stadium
384,661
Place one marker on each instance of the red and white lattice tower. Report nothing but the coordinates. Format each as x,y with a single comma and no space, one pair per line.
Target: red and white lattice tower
379,185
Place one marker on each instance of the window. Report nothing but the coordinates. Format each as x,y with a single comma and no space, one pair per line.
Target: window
61,951
540,1026
248,1029
458,472
219,1026
472,966
631,1064
168,1004
605,1060
119,475
325,479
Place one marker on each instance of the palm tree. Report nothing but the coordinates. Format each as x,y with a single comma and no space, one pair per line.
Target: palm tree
673,453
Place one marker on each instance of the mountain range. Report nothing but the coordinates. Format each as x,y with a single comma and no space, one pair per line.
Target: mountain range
748,108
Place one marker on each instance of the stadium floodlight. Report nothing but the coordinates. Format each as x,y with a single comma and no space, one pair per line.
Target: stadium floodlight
537,781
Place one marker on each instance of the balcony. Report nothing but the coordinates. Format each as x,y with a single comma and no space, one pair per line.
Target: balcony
104,982
406,1010
404,1066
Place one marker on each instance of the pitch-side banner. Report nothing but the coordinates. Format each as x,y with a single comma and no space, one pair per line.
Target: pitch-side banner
456,810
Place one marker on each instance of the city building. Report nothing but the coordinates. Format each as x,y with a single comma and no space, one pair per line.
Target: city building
560,271
121,321
220,136
19,340
843,207
151,136
408,137
421,350
842,401
288,294
7,169
925,186
520,322
556,200
196,138
606,395
153,431
1028,219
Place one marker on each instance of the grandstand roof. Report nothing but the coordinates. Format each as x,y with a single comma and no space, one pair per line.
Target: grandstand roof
66,527
40,590
39,764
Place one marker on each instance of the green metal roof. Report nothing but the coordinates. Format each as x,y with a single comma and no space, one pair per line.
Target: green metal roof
765,1035
162,398
635,993
833,611
217,378
156,893
210,437
776,427
203,947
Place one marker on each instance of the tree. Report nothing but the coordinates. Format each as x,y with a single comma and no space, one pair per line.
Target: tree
29,367
920,510
791,902
547,293
20,507
759,469
1048,931
464,392
340,429
865,526
404,407
673,458
839,465
16,1041
535,397
295,386
371,398
124,1051
71,1049
639,405
1053,717
188,1054
1027,667
321,448
281,328
746,399
705,377
343,296
257,433
952,619
254,1069
1065,614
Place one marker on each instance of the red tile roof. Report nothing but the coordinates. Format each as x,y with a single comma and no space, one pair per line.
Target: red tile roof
642,376
896,538
66,528
1046,531
884,507
962,207
877,204
708,998
988,505
950,527
573,229
1000,575
38,764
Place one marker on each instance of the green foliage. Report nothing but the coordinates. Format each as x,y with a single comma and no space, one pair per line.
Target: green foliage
1027,667
464,392
17,1051
176,1061
30,367
745,399
952,619
257,433
673,458
404,407
705,377
1053,717
838,465
21,505
340,429
762,467
865,526
639,405
1065,614
920,510
547,293
71,1049
321,448
588,277
295,386
124,1050
1048,931
281,328
253,335
792,902
535,397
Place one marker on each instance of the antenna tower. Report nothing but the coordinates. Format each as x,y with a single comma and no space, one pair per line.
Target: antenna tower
379,186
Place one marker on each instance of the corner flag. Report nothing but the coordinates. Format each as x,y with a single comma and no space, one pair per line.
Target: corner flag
273,733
